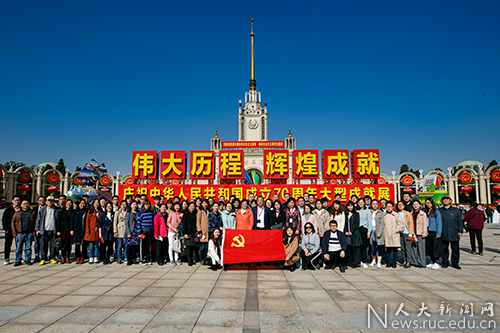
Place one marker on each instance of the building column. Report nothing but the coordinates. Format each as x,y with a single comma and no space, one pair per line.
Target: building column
9,188
457,192
488,190
451,188
477,191
482,187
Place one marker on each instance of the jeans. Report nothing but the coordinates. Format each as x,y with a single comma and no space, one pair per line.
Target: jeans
37,246
93,249
203,252
26,240
392,255
174,256
119,247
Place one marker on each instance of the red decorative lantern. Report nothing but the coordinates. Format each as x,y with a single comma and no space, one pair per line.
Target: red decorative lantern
105,181
104,189
465,177
467,190
24,188
495,175
407,180
25,176
52,189
496,188
408,190
53,178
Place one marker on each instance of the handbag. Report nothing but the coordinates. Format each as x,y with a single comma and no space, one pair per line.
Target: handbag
176,245
57,243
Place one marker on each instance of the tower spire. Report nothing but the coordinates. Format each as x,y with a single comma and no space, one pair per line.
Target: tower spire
253,83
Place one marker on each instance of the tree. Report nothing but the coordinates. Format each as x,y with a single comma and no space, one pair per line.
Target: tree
14,165
404,168
492,163
438,169
61,167
78,168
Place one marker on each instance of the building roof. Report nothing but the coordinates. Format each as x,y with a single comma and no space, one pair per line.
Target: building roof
469,163
52,164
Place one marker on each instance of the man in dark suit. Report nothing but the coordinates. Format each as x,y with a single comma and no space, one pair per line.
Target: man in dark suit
453,228
261,215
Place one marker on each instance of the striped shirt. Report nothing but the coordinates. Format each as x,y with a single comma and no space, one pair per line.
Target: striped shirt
144,220
334,243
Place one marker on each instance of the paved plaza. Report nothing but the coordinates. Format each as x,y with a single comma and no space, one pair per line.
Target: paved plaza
119,298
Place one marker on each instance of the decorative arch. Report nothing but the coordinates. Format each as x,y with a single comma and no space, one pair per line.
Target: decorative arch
25,168
74,174
439,172
52,171
407,174
488,171
459,171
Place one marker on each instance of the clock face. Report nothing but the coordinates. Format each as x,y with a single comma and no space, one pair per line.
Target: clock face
253,124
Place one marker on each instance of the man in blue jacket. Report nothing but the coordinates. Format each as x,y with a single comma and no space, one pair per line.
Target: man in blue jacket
453,228
333,247
261,215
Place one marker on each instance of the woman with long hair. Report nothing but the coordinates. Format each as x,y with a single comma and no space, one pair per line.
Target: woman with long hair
92,231
63,230
355,241
338,214
291,249
202,229
364,227
77,229
393,226
174,220
434,246
322,217
276,216
376,233
119,226
308,216
106,232
214,250
407,235
419,220
131,239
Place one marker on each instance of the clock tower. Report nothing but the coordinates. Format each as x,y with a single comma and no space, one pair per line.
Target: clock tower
252,117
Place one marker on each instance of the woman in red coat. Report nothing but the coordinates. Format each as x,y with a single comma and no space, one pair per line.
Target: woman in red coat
92,231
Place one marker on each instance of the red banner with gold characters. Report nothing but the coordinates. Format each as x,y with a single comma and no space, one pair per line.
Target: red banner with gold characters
231,164
365,163
202,164
191,192
305,164
275,164
253,144
173,164
144,164
243,246
336,164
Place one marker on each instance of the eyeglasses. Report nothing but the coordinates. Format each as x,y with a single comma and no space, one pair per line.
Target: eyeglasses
308,227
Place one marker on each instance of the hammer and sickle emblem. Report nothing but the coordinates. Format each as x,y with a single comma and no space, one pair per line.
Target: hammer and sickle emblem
239,241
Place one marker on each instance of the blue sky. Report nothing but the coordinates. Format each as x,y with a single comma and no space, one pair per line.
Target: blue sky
98,79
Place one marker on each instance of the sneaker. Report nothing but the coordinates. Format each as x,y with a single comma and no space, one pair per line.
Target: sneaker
91,260
435,266
42,262
430,265
111,258
29,263
6,262
53,261
373,263
364,265
96,260
178,262
149,263
17,263
144,263
379,265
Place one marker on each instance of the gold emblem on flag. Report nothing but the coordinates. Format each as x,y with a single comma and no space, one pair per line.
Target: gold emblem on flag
239,241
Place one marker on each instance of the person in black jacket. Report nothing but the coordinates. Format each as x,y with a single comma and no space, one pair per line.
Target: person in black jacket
36,246
8,214
77,229
63,227
189,226
276,216
453,228
333,247
353,236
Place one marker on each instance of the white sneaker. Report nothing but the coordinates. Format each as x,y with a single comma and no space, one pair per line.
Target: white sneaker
111,258
364,265
430,265
6,262
373,263
379,265
172,263
435,266
91,260
96,260
178,262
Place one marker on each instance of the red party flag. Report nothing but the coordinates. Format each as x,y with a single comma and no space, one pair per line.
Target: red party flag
243,246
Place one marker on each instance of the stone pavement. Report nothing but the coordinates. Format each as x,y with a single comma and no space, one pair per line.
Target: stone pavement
119,298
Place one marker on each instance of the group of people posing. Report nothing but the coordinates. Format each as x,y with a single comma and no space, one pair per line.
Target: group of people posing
364,232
